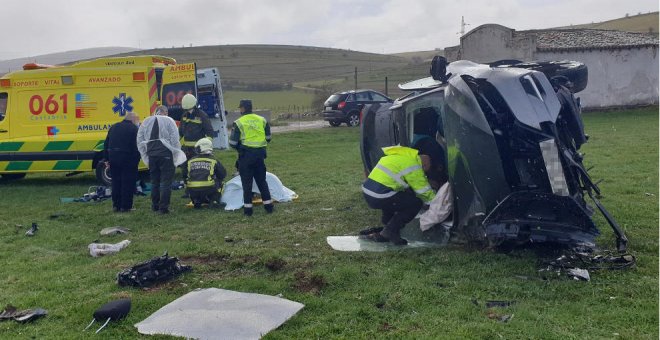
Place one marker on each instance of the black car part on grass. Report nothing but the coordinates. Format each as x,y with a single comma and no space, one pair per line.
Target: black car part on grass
157,270
111,311
512,140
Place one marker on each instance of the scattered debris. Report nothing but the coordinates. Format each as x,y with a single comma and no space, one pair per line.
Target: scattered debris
12,313
499,303
57,215
100,249
113,310
577,263
157,270
500,317
114,231
220,314
32,230
327,209
229,239
579,274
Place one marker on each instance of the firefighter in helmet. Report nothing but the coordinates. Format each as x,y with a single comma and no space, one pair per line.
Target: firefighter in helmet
205,175
195,125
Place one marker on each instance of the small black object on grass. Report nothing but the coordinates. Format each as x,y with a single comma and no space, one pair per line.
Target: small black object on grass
113,310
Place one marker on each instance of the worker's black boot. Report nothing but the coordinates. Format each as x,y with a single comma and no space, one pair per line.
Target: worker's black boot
269,208
247,211
393,233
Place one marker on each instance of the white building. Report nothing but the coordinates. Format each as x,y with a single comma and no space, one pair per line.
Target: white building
623,66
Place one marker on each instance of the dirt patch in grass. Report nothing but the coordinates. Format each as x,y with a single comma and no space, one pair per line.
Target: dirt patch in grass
309,283
275,264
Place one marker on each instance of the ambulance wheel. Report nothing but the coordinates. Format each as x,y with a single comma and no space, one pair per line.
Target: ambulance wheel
13,176
103,173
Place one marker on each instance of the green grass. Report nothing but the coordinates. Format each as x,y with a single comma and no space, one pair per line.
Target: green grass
416,293
276,101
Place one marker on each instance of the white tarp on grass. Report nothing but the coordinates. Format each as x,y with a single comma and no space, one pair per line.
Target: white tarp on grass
214,313
232,194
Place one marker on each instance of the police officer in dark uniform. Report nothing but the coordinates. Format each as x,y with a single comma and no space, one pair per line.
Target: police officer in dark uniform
120,148
250,135
195,125
205,175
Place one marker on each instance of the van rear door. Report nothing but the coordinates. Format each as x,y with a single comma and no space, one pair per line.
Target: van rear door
178,80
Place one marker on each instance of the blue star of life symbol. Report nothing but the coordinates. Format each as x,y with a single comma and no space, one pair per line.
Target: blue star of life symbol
122,104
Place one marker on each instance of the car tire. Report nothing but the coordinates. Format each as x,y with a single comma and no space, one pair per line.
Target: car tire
353,119
13,176
103,173
334,124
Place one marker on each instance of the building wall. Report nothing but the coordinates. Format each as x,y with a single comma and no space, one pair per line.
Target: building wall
488,43
622,77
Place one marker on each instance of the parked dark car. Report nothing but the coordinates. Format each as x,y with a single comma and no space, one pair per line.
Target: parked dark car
345,107
511,138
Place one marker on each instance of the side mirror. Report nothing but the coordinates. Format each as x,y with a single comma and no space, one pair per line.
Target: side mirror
439,69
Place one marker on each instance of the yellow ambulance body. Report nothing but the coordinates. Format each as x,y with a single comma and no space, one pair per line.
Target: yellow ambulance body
57,118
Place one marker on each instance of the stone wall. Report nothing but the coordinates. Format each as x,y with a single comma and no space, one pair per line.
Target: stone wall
622,77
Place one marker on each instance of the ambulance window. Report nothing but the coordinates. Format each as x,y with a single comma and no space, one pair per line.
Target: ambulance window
3,105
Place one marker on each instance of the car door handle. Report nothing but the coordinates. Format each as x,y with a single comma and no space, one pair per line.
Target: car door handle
3,131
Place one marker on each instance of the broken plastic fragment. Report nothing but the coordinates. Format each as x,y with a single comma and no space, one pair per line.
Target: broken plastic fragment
114,231
99,249
579,274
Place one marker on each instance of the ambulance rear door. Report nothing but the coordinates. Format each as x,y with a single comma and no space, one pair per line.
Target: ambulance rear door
178,80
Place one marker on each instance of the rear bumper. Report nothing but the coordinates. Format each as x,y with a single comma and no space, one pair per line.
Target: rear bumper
334,116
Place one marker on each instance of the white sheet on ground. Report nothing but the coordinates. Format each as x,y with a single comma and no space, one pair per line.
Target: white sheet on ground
232,194
214,313
440,208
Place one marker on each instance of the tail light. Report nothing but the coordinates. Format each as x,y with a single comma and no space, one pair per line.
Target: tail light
361,111
341,105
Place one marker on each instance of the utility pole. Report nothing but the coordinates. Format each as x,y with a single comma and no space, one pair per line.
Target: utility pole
463,24
355,78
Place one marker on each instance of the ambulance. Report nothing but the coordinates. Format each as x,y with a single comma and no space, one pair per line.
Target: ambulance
56,118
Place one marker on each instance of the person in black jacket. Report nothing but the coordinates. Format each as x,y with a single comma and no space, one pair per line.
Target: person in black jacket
195,125
120,149
205,175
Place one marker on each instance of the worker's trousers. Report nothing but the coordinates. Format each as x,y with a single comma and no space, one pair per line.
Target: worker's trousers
124,171
397,210
252,167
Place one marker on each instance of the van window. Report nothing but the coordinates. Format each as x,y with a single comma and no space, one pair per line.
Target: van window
3,105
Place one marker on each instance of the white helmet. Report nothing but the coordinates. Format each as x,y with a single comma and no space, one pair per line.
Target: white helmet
204,145
188,102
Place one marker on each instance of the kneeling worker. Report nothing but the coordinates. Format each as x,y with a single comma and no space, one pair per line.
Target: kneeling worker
398,187
205,175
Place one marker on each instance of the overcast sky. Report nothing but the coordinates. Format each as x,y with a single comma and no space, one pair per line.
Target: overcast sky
34,27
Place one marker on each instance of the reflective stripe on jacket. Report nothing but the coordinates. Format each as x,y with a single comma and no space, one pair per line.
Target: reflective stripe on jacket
201,172
253,130
400,169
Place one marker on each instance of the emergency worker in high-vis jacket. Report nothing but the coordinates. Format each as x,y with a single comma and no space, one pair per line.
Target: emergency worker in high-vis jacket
195,125
250,135
398,186
205,175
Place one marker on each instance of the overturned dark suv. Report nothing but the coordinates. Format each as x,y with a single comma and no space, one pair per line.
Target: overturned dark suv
511,134
345,107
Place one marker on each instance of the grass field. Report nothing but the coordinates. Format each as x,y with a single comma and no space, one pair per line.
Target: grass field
277,101
412,293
